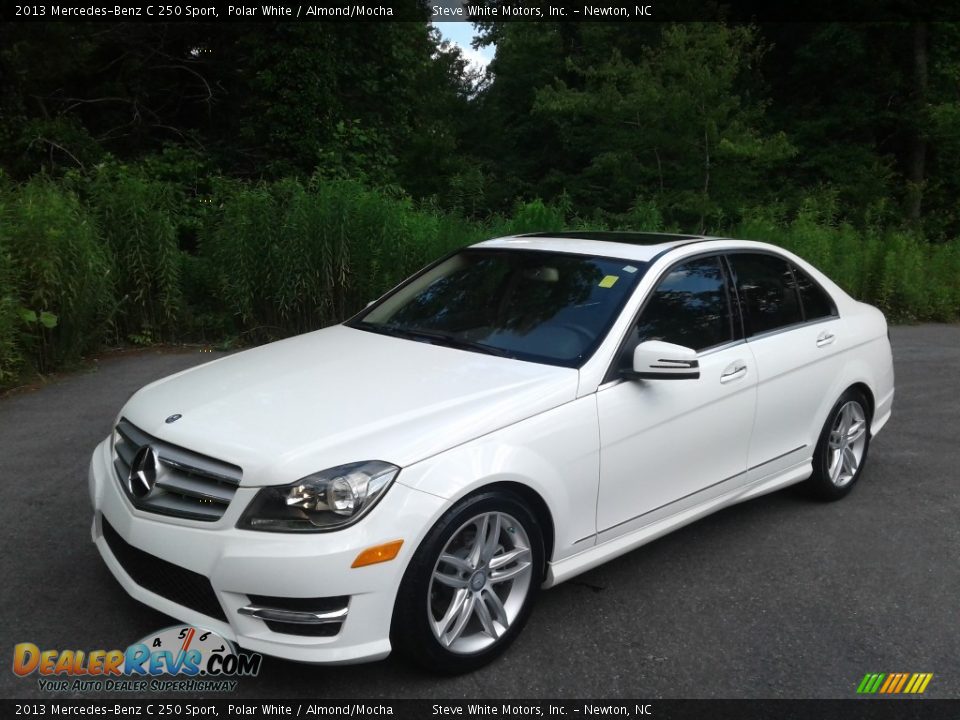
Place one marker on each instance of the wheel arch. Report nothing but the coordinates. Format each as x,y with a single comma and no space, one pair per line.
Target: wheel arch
835,393
868,394
537,505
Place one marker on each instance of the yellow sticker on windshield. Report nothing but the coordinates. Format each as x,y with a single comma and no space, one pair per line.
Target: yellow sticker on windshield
609,281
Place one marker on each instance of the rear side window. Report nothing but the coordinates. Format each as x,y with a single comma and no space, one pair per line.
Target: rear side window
767,291
690,307
816,303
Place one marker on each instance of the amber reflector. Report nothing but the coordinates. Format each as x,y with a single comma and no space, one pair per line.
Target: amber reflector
378,554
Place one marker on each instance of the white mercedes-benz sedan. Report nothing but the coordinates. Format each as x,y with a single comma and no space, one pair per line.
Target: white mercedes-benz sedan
517,413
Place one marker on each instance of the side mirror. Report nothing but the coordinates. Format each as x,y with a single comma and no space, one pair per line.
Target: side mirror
658,360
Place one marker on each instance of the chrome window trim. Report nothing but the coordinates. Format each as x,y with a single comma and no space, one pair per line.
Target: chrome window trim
610,377
719,348
791,328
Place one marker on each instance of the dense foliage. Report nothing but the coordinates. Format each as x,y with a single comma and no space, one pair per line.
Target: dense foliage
93,260
239,183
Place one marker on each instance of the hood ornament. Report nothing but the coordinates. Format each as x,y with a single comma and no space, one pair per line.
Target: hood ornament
173,418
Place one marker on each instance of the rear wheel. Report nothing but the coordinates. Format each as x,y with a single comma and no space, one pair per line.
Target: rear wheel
842,449
471,585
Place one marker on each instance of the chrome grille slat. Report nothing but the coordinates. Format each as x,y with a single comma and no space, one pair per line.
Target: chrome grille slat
132,434
170,504
122,468
197,464
188,485
126,451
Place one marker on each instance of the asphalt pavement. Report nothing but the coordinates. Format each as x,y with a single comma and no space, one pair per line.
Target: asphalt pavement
780,597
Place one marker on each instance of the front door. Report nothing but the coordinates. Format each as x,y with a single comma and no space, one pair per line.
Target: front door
665,440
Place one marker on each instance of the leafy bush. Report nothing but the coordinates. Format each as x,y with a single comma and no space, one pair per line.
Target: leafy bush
534,216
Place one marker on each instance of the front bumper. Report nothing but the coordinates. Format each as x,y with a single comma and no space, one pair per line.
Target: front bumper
241,563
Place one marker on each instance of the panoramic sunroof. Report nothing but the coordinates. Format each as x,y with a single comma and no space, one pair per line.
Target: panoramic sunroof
633,238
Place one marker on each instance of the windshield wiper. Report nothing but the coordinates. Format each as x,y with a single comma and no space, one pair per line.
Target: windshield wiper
438,338
456,342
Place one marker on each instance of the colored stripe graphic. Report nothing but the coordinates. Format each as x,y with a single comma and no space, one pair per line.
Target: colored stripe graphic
894,683
903,679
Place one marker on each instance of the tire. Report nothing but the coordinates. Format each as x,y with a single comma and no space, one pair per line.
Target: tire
830,480
455,615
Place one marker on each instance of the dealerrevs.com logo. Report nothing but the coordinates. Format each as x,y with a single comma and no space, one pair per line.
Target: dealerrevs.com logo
206,661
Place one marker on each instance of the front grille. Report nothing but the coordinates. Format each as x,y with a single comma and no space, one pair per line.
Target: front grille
177,584
188,484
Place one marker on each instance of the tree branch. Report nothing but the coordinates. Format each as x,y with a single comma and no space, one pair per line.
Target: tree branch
60,147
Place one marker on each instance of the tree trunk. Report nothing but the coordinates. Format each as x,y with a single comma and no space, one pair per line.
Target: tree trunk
916,160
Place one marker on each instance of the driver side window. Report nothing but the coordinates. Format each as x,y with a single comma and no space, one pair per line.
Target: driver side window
690,306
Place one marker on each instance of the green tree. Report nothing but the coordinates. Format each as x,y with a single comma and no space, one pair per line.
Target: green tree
871,108
377,101
675,123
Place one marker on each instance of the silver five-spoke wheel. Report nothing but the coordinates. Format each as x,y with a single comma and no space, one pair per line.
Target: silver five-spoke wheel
479,582
841,451
848,438
472,583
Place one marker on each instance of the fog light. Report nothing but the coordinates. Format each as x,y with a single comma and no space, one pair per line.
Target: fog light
378,554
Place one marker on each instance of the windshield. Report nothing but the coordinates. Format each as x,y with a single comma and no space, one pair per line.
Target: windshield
531,305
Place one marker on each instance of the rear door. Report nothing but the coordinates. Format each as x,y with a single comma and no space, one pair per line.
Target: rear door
795,334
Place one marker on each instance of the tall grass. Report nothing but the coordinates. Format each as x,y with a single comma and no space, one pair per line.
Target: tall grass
291,257
62,278
9,350
137,219
98,259
905,276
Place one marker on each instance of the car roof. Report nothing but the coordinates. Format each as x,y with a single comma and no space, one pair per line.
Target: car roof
639,246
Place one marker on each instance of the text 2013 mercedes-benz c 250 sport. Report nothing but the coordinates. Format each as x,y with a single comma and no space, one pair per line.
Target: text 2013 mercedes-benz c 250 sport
513,415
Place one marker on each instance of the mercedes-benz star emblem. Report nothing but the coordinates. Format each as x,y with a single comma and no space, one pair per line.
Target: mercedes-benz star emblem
173,418
143,472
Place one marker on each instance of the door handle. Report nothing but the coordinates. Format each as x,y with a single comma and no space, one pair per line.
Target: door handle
825,338
734,371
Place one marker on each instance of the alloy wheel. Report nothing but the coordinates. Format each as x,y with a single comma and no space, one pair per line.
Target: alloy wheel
848,439
479,583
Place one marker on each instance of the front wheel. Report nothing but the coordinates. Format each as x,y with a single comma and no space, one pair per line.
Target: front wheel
841,452
470,587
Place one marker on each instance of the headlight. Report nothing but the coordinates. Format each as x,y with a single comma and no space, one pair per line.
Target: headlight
327,500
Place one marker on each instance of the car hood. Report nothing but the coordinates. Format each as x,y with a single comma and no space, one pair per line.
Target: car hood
341,395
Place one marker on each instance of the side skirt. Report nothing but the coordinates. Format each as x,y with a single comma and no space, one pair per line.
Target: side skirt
671,517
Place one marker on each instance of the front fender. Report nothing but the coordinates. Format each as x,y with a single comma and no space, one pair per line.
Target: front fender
556,454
